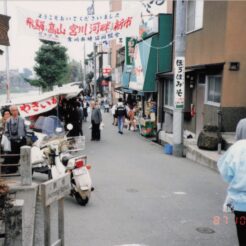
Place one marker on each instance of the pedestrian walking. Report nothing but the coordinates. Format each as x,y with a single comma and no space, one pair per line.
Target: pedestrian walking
106,106
121,115
6,115
5,143
85,109
74,118
81,116
113,111
96,119
232,166
132,121
15,131
241,129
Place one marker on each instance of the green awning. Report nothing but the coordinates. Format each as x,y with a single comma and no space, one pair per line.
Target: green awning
153,55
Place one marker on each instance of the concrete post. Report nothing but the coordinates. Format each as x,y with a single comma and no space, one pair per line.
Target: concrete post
26,166
178,118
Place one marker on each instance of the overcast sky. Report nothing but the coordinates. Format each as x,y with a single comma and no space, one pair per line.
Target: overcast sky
23,48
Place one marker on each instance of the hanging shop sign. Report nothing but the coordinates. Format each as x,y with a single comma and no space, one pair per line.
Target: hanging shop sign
149,27
129,51
37,107
179,82
95,28
138,71
154,7
107,70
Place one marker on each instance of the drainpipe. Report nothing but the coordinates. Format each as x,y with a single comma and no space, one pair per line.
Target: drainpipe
219,112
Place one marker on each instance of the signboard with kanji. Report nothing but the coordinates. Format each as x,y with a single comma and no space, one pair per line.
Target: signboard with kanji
130,50
55,189
149,27
107,70
179,82
38,107
61,28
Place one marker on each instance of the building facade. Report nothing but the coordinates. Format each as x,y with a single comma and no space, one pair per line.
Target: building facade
215,68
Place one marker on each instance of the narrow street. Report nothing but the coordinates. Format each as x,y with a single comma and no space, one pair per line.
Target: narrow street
145,197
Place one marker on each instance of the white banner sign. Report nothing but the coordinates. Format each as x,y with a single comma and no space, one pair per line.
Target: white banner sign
95,28
179,82
37,107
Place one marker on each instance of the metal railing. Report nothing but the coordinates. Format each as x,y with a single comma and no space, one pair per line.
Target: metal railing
5,166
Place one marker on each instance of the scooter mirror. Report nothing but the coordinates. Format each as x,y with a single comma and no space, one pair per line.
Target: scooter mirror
27,122
58,129
69,126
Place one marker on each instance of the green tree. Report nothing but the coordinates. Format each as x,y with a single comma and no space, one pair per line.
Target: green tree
75,71
51,65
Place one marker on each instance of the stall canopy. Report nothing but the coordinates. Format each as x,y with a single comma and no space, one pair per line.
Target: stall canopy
153,55
44,102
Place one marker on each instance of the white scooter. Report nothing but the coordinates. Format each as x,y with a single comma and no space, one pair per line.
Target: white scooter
80,178
57,161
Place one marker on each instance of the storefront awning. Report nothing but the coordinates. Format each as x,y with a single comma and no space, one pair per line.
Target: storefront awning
145,67
153,55
195,68
170,74
123,90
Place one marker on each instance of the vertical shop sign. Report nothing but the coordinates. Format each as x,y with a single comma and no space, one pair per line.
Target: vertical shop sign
130,50
179,82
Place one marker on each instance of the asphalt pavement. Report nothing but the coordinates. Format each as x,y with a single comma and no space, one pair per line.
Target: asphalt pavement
144,197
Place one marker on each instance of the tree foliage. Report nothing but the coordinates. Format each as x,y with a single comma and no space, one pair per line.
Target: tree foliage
75,72
51,65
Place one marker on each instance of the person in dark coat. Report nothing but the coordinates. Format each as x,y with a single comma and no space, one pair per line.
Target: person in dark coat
85,109
81,116
73,118
96,119
15,131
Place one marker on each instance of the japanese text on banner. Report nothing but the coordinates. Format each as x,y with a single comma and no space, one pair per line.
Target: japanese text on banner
38,107
95,28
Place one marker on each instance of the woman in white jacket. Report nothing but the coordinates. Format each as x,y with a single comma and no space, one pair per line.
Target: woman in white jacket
232,166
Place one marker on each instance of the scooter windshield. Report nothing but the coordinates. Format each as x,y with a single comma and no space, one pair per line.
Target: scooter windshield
49,125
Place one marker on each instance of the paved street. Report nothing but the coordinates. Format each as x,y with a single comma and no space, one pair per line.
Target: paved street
145,197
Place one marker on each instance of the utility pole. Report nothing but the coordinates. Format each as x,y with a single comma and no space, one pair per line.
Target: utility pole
84,72
95,71
179,77
91,11
7,60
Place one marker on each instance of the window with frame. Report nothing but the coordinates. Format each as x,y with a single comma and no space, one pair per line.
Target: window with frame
194,19
214,89
168,93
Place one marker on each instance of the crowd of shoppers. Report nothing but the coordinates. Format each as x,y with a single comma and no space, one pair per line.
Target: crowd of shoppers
13,138
124,115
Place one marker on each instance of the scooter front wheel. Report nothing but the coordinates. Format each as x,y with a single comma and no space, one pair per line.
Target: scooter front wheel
80,200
